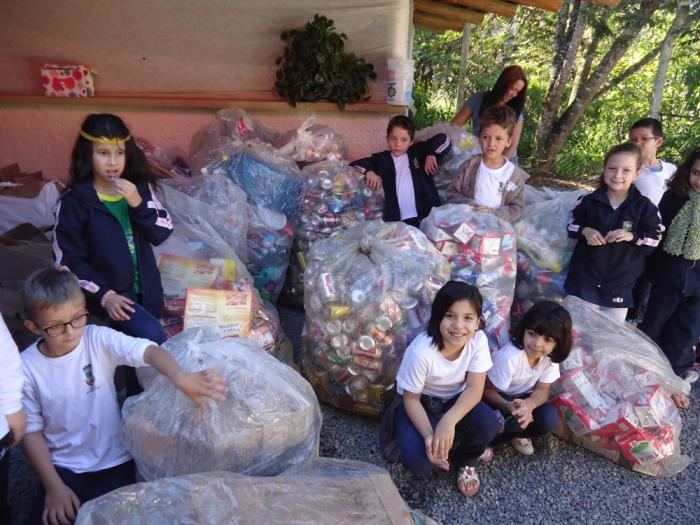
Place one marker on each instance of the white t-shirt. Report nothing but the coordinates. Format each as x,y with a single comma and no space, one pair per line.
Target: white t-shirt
491,184
652,181
424,370
404,187
11,378
511,374
72,400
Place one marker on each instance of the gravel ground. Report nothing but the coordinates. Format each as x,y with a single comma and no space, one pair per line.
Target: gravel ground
560,483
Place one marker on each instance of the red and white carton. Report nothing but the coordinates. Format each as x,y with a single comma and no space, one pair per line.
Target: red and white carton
621,419
577,383
610,386
645,447
651,407
575,417
602,446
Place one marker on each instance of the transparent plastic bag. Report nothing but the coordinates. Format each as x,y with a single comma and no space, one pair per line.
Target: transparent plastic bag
368,293
269,421
312,143
481,249
323,490
269,243
165,162
464,145
615,394
336,198
267,177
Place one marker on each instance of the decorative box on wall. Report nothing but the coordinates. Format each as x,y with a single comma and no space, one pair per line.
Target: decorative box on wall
67,81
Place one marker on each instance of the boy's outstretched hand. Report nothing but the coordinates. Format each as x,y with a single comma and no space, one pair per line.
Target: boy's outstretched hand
431,164
198,385
374,181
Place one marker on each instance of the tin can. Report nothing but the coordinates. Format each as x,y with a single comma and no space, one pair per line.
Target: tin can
350,324
338,310
334,327
339,341
327,288
369,353
377,394
301,259
365,342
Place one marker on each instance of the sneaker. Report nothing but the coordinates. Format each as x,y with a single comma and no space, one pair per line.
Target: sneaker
691,376
523,445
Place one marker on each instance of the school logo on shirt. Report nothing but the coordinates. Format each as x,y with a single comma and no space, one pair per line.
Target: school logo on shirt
89,378
627,226
416,164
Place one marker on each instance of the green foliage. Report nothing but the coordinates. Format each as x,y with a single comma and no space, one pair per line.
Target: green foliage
527,40
315,66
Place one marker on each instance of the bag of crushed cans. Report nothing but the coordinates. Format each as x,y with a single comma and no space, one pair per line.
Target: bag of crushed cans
463,145
321,490
336,198
615,394
312,143
269,243
481,249
269,421
368,292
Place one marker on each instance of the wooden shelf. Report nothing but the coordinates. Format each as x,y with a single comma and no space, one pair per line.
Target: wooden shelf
261,101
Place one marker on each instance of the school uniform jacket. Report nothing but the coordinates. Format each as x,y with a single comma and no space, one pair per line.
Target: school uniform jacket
673,270
423,184
90,242
612,268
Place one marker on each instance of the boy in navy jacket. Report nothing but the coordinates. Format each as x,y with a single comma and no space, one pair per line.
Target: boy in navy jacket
405,171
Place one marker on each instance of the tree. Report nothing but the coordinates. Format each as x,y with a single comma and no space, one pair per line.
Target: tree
555,124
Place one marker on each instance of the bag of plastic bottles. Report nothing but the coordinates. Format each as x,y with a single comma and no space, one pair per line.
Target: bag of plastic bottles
336,198
269,421
368,293
615,394
481,249
323,490
312,143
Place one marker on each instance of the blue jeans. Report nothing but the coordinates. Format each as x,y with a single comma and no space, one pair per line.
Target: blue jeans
545,419
472,434
141,324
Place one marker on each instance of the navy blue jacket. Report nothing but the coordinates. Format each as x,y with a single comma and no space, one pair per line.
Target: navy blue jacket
90,242
423,184
612,268
672,270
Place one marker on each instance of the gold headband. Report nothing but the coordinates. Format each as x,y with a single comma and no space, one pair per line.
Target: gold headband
103,140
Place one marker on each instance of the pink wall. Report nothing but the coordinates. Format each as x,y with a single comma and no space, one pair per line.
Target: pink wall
40,137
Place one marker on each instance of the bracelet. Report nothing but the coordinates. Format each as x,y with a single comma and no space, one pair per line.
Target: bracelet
106,296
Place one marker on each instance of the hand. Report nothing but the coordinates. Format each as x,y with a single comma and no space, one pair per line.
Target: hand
619,236
593,237
119,307
522,411
374,181
440,463
197,385
443,438
431,164
18,424
60,506
681,400
483,209
127,190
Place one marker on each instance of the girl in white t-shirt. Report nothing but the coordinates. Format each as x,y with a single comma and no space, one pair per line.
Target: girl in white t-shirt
441,419
523,370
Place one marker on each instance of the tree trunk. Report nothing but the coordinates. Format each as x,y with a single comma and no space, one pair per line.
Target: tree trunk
551,138
466,38
682,12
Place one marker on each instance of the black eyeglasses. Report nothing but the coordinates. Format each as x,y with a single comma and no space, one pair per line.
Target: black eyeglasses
57,329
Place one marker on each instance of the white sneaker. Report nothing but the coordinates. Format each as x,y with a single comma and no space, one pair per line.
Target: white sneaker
523,445
691,376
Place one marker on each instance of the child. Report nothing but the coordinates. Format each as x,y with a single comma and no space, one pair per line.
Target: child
105,224
441,382
405,171
647,133
490,182
13,420
73,435
616,228
672,318
518,383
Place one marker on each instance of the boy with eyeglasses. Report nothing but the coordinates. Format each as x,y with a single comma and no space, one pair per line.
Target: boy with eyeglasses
73,437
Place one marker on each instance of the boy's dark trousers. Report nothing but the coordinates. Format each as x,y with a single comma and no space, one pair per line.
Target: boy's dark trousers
5,516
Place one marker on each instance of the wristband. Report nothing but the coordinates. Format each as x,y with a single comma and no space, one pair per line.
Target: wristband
106,296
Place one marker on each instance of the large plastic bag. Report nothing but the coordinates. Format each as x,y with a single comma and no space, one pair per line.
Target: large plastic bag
312,143
368,293
615,394
324,490
269,421
464,145
165,162
481,249
336,198
269,179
